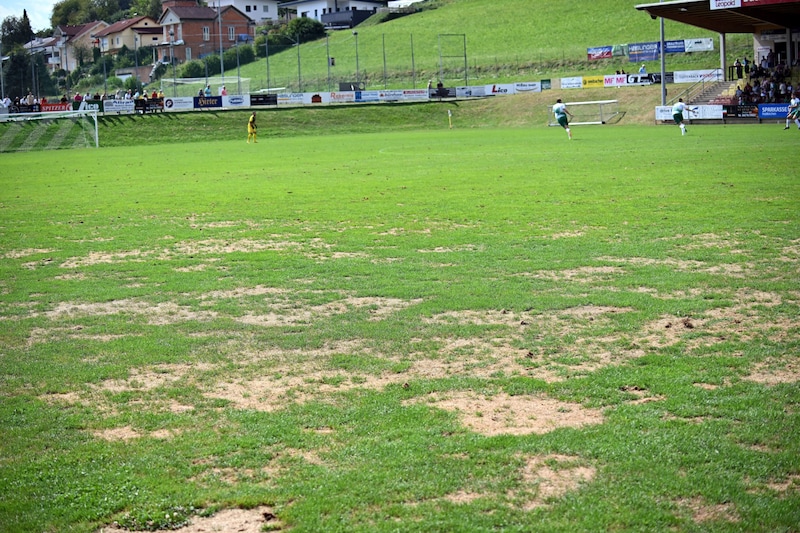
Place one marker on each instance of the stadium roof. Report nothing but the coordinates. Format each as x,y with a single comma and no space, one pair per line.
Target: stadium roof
751,17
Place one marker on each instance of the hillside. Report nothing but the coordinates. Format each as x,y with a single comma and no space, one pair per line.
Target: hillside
513,40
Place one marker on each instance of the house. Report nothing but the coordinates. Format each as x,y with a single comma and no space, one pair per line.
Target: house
261,11
191,31
48,47
131,33
74,44
336,13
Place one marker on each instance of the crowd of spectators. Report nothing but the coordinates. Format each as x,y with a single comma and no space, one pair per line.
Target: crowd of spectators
765,82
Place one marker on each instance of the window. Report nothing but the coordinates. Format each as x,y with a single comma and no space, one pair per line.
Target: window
188,54
266,8
206,33
247,9
231,33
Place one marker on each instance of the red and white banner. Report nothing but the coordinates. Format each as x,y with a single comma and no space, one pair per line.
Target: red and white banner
56,107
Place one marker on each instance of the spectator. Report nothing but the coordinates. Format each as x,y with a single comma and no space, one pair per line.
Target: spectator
746,63
223,91
155,94
78,97
30,100
208,91
642,69
6,102
739,95
739,67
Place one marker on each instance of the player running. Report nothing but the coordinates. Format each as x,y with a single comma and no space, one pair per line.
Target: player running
252,129
794,111
560,111
677,114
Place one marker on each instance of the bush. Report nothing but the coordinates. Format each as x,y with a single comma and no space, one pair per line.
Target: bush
192,69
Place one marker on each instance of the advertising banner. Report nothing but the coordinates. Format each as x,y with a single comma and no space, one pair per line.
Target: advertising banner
206,102
290,99
702,112
638,52
500,89
368,96
179,103
236,100
699,45
599,52
531,87
725,4
640,79
59,107
590,82
675,47
693,76
615,80
773,110
470,92
416,94
572,83
342,97
116,106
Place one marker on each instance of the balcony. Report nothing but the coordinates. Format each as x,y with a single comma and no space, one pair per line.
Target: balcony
346,19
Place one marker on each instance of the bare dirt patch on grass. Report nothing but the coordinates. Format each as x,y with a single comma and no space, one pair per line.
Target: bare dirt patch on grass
225,521
702,511
501,414
775,372
552,476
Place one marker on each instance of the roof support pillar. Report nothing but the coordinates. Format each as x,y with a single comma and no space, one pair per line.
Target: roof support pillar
723,57
789,48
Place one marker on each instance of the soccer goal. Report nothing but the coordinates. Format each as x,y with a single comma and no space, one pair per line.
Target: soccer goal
596,112
193,86
54,130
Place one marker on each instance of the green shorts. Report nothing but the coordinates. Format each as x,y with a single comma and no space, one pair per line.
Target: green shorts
562,121
678,118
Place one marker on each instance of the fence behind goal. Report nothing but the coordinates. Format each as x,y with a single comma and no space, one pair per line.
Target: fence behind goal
596,112
23,132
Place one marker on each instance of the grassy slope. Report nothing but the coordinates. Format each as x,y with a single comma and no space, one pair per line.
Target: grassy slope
513,40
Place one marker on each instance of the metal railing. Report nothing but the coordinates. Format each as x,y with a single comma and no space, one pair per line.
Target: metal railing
699,86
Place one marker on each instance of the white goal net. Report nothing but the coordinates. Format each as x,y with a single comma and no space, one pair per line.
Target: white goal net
55,130
193,86
596,112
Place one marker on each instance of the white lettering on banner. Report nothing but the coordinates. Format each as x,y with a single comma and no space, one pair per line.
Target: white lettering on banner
692,76
470,92
391,95
180,102
725,4
236,101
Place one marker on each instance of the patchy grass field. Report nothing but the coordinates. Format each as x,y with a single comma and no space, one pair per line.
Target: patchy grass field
468,330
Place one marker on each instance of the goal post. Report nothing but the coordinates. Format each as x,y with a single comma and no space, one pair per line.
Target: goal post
594,112
51,130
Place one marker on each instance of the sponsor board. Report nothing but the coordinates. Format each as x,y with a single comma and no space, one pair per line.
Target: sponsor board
725,4
368,96
638,52
699,45
179,103
640,79
416,94
392,95
290,98
615,80
591,82
572,83
702,112
205,102
531,87
118,106
58,107
236,100
500,89
773,110
342,97
470,92
674,47
599,52
693,76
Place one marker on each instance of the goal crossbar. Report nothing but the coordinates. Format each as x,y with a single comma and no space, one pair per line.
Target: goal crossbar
49,117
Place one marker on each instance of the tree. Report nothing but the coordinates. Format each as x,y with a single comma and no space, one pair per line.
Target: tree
145,8
16,31
70,12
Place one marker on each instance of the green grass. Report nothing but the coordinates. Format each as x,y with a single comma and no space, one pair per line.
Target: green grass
187,327
512,41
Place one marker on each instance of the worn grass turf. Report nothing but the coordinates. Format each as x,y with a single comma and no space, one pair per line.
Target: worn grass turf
467,330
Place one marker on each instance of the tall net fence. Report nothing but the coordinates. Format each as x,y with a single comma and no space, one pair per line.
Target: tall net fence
193,86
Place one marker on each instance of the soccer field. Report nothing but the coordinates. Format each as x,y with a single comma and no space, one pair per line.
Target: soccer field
452,330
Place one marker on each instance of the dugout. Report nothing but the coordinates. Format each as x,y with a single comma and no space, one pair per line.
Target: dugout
769,21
